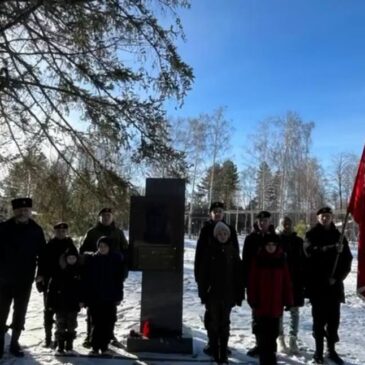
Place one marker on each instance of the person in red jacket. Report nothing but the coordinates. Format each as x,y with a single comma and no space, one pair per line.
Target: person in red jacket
268,292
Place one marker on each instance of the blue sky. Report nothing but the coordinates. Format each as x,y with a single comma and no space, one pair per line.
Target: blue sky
261,58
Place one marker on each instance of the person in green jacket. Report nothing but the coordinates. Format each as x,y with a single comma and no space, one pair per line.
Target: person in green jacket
105,227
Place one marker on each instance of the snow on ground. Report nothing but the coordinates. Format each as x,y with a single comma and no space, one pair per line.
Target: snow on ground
351,346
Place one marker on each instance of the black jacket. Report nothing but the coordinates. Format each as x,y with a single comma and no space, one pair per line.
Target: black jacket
119,242
49,259
293,248
205,236
102,278
20,247
321,252
219,276
63,292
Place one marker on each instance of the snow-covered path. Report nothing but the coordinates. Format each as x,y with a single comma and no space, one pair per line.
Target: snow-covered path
351,346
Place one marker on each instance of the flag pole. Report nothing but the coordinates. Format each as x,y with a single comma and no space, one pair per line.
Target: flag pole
340,244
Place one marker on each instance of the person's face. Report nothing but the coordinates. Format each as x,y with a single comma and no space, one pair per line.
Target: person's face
222,235
217,214
22,214
325,219
287,225
103,248
270,247
106,218
71,259
263,224
61,233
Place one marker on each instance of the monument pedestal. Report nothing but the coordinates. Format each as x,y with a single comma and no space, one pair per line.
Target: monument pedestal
164,344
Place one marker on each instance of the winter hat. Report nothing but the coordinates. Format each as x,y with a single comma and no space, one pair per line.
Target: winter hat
220,226
105,239
22,203
71,251
216,205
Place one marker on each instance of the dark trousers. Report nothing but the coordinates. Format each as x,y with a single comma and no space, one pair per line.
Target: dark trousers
48,318
217,320
19,294
88,322
266,330
326,319
102,323
66,324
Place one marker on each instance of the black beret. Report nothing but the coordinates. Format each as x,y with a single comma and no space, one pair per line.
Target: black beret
324,210
263,214
216,205
105,210
61,225
22,203
105,239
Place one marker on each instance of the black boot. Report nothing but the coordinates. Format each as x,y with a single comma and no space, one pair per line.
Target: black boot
333,355
15,348
318,354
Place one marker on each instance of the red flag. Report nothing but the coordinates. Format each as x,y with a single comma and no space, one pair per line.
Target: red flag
357,209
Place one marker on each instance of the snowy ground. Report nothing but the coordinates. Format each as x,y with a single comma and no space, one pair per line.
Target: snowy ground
352,329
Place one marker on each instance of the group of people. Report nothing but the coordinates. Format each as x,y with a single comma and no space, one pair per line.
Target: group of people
276,271
69,280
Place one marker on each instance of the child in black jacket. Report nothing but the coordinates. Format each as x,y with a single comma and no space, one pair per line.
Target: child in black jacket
63,297
102,291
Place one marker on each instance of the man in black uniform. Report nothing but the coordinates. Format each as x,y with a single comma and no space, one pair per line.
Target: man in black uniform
48,264
253,242
327,265
21,243
216,211
105,228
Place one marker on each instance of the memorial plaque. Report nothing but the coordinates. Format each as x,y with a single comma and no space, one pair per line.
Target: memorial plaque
154,257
